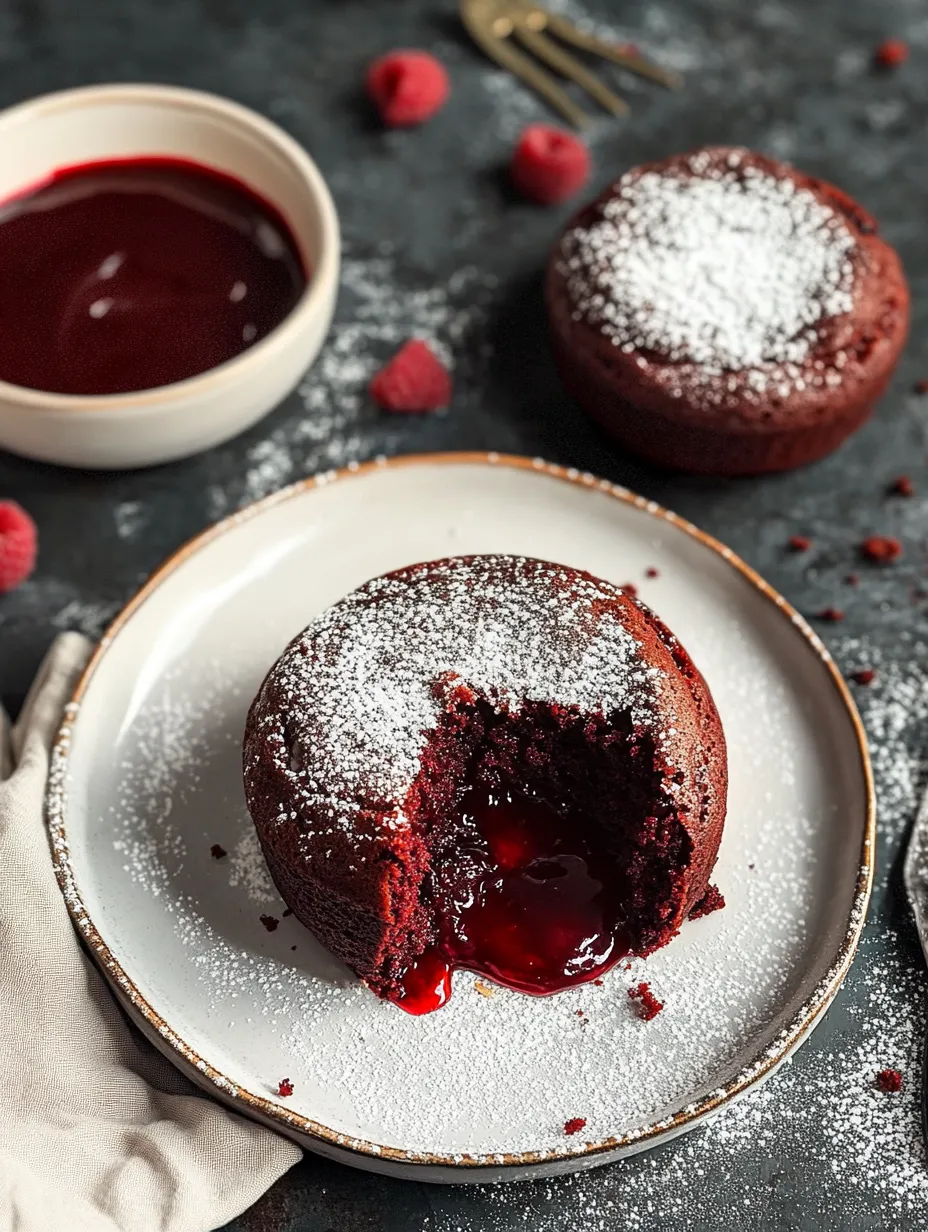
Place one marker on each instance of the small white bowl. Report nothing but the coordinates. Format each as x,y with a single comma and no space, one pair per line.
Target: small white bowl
172,421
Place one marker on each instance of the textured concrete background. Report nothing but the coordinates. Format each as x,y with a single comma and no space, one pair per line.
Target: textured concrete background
435,244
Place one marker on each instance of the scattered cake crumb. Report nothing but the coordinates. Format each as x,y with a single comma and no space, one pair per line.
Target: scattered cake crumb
831,614
853,579
799,543
598,983
889,1080
648,1005
287,911
630,589
881,549
921,387
285,1088
864,675
652,572
712,900
574,1125
484,989
891,53
217,852
270,922
902,486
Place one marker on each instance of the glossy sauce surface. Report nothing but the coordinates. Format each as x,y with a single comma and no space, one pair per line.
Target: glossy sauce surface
127,275
531,904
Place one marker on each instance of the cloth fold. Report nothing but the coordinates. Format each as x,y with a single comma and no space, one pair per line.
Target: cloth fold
98,1131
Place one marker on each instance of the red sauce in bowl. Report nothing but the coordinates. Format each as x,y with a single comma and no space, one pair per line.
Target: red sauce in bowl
126,275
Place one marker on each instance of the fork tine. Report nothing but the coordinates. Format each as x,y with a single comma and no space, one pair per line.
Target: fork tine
502,51
569,66
635,63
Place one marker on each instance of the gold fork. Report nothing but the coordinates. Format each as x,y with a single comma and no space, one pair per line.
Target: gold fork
494,24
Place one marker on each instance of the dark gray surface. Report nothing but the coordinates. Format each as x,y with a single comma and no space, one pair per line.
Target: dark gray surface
817,1148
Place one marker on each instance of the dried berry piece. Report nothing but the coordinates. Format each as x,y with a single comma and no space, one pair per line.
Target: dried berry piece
574,1125
712,900
19,542
902,486
407,87
864,675
549,165
284,1088
881,549
889,1080
217,852
799,543
648,1005
891,53
831,614
270,922
415,379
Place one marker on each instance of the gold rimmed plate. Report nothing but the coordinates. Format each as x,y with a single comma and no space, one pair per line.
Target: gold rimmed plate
146,786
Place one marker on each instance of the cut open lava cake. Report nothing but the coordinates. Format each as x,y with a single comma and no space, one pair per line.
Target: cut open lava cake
486,762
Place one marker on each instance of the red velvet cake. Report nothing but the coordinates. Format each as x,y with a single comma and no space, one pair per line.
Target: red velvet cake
723,313
486,762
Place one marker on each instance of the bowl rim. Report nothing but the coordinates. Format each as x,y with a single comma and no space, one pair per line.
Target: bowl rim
320,285
348,1149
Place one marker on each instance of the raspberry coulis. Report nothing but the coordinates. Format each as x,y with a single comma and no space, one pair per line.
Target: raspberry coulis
528,899
129,274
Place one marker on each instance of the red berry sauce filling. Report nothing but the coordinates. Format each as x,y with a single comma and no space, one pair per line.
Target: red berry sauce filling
528,898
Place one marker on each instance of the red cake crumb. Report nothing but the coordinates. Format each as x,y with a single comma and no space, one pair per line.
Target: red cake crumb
649,1007
889,1080
18,545
902,486
574,1125
598,983
630,589
891,53
853,579
881,549
293,947
864,675
415,379
407,87
712,900
287,911
652,572
921,387
270,922
549,165
831,614
579,1013
217,852
799,543
285,1088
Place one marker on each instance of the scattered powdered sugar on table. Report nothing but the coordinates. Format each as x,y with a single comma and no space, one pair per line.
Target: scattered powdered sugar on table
714,263
376,313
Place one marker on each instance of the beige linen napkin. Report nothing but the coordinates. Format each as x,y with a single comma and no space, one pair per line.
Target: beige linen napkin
98,1132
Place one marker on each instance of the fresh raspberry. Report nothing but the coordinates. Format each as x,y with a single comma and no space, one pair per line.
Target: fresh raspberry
284,1088
549,165
889,1080
881,549
799,543
407,87
415,379
891,53
864,675
19,545
574,1125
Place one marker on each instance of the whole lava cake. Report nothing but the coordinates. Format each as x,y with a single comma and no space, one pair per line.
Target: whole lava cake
721,312
486,762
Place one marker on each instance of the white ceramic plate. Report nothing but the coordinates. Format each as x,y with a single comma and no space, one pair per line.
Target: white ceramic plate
147,777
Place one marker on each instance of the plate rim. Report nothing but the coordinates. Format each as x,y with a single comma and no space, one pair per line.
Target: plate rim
761,1064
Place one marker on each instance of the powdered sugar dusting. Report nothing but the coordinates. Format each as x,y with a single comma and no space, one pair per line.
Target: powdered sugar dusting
715,263
507,628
